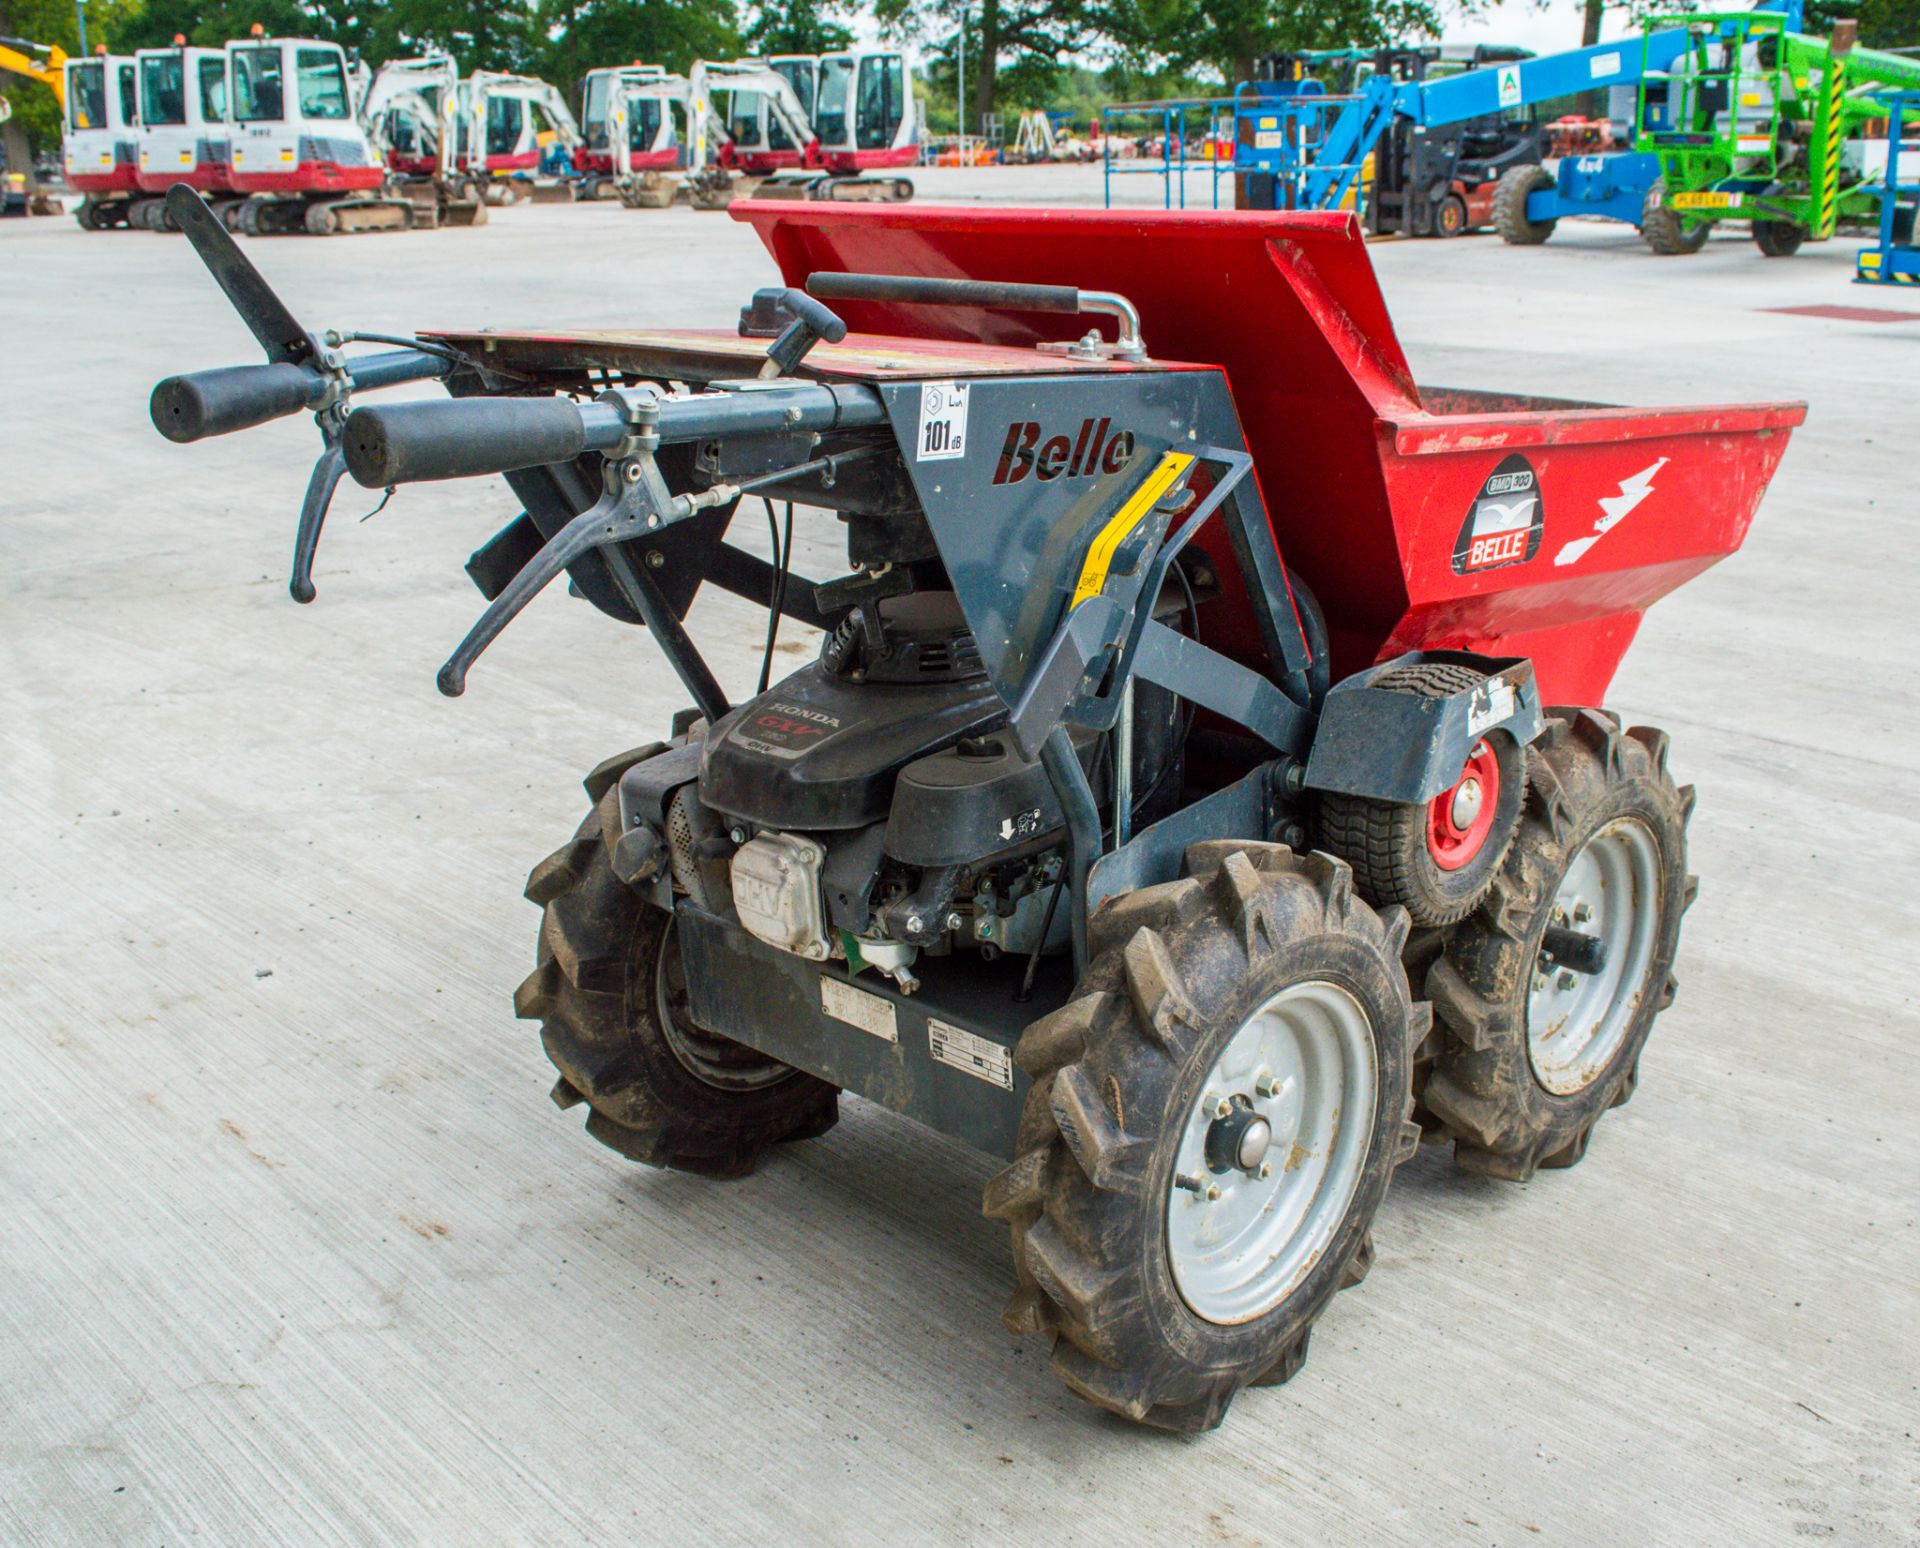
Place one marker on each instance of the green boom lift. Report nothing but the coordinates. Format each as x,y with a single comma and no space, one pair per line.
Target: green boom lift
1761,124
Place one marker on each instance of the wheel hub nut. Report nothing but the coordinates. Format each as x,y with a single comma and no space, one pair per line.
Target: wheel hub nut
1238,1140
1467,796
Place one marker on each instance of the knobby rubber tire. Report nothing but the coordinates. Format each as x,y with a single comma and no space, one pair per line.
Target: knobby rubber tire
1177,969
1663,229
1778,238
1386,841
1510,195
593,992
1583,772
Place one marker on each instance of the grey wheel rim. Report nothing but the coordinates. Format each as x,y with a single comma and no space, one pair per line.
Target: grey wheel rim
1576,1022
719,1061
1242,1237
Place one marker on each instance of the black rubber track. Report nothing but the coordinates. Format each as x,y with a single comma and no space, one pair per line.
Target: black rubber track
592,991
1583,771
1177,968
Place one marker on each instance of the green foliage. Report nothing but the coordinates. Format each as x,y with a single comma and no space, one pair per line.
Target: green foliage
796,27
1883,23
52,22
587,34
1011,46
1226,36
481,34
210,23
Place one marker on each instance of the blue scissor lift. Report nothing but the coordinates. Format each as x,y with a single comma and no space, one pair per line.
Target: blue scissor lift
1895,259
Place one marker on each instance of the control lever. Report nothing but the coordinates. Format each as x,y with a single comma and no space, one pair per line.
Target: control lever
794,321
265,314
289,348
634,501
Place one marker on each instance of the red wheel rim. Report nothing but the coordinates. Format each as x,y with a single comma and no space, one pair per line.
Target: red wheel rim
1459,820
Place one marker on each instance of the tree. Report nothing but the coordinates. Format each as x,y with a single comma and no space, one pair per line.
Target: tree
1229,35
588,34
1023,40
1883,23
36,112
480,34
796,27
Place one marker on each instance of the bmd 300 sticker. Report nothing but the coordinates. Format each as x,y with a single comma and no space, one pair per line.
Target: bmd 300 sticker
1504,523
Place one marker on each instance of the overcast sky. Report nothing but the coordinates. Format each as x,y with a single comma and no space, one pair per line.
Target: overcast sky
1546,29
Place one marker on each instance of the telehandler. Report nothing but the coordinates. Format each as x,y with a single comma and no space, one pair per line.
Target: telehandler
1201,793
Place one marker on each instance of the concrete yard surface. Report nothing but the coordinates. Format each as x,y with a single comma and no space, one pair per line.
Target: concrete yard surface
296,1250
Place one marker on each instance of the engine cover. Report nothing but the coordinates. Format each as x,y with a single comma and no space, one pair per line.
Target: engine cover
819,752
978,798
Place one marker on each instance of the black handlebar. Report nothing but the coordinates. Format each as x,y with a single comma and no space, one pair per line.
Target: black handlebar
229,398
204,403
409,443
944,292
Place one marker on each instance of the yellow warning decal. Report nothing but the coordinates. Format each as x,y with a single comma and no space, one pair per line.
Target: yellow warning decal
1093,574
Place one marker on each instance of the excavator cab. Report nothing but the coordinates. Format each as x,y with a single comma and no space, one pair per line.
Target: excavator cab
102,150
294,124
184,130
802,72
864,112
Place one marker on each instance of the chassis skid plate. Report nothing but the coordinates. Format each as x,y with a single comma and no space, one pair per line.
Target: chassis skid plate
943,1056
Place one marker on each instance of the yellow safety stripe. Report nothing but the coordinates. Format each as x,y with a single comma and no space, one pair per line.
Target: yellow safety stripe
1093,574
1835,83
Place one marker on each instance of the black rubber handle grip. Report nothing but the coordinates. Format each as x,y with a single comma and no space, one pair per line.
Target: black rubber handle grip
204,403
410,443
944,292
821,319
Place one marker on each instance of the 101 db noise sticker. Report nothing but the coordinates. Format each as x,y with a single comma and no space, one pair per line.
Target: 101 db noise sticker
1505,521
943,421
